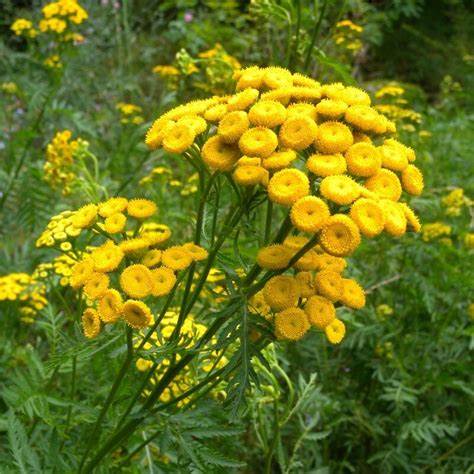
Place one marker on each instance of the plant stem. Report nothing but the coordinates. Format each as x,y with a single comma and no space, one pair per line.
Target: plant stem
276,434
294,49
314,36
96,431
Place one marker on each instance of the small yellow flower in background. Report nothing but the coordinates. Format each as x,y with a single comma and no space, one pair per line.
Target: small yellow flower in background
53,62
347,35
130,113
9,88
23,27
384,310
435,230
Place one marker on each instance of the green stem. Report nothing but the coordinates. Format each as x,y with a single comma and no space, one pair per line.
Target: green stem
268,222
314,36
294,49
276,434
96,431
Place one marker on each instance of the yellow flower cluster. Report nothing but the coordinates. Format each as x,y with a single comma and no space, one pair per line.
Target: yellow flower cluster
454,201
319,150
60,232
62,266
23,27
59,161
383,310
9,88
60,16
307,299
160,172
435,230
393,104
347,35
27,290
191,332
129,266
53,62
130,113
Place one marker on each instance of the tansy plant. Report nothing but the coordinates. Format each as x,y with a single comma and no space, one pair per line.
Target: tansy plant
292,176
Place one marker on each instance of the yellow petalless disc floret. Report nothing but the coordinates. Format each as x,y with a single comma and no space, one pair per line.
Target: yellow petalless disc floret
85,216
320,311
333,137
326,165
178,139
279,160
363,159
339,236
136,314
291,324
110,306
309,214
385,184
115,223
176,258
335,331
136,281
274,257
81,273
413,222
219,155
107,257
90,323
412,180
258,141
268,114
96,285
298,132
340,189
112,206
332,109
232,126
282,292
394,217
163,279
152,258
353,295
393,158
250,175
141,208
287,186
329,284
196,252
369,217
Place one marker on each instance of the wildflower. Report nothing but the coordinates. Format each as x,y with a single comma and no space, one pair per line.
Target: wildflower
196,252
394,217
320,311
141,208
298,132
363,159
242,100
335,331
287,186
258,141
413,223
81,273
326,165
134,245
152,258
333,137
23,27
412,180
353,295
85,216
258,305
176,258
96,285
136,281
393,158
332,109
115,223
178,139
136,314
302,108
339,236
309,213
232,126
340,189
110,306
328,284
107,257
90,323
307,287
250,175
112,206
163,280
369,217
279,160
281,292
363,117
219,155
291,324
385,183
268,114
274,257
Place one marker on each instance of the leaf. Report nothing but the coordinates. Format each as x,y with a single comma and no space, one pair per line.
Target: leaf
25,458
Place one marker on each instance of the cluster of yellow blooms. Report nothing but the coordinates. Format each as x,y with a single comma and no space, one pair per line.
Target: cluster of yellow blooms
23,27
437,230
27,290
62,266
9,88
53,62
215,65
60,232
130,113
128,264
60,151
59,18
347,35
191,332
454,201
321,151
393,104
188,188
